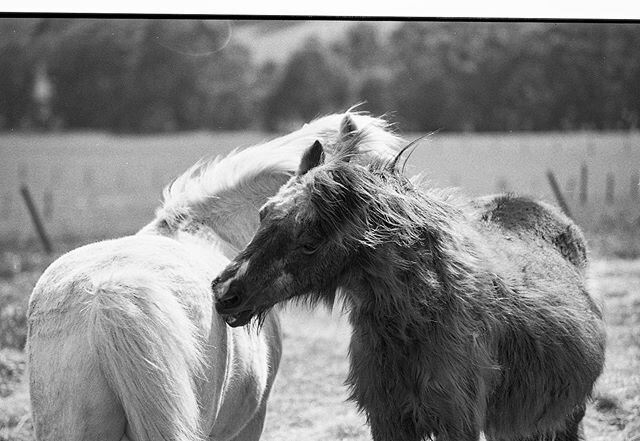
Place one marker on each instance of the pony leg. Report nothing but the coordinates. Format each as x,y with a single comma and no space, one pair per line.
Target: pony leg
573,431
253,429
457,435
70,398
383,430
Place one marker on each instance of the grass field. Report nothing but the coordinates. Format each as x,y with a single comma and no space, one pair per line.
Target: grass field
94,185
91,185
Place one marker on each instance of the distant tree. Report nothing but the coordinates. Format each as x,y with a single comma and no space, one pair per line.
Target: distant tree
313,82
89,62
157,75
513,76
499,79
161,80
362,47
365,56
425,87
594,72
375,93
14,84
16,71
228,85
146,75
170,82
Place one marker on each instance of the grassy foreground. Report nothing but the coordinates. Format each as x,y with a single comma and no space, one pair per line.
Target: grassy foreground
308,401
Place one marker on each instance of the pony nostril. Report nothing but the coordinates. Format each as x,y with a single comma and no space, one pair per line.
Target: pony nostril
230,301
228,294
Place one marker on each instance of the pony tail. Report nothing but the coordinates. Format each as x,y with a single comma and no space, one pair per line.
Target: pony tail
150,354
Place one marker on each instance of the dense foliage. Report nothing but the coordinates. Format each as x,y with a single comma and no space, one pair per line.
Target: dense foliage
165,75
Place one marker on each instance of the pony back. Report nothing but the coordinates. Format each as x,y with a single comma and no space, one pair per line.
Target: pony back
525,216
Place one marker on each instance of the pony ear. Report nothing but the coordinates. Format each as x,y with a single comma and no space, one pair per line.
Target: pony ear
311,158
348,128
347,136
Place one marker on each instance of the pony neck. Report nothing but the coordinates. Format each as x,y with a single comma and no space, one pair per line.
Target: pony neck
201,235
223,197
378,296
419,267
227,219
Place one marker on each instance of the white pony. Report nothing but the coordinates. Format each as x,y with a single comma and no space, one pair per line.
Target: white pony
123,341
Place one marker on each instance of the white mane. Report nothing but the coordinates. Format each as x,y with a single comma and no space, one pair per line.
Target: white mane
208,180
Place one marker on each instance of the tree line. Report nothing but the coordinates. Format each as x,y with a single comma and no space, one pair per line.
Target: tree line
143,75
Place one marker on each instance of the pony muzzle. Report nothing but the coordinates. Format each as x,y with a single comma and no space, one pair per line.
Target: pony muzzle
228,302
229,305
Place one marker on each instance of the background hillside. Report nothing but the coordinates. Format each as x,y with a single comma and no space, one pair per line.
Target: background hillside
141,75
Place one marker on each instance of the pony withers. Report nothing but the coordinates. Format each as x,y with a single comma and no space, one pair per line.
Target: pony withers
467,316
123,341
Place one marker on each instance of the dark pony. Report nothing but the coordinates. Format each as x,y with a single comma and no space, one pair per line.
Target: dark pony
467,317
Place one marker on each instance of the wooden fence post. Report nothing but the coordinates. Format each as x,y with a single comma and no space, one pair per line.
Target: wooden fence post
610,189
47,205
635,186
33,212
584,176
558,193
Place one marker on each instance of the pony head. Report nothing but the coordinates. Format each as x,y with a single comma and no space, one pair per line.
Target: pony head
307,236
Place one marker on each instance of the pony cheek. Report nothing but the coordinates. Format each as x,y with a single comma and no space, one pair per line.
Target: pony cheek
278,284
283,284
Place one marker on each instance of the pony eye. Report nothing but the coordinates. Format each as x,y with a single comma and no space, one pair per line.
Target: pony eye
309,248
262,213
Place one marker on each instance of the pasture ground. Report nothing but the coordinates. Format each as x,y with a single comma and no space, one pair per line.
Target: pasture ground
308,400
